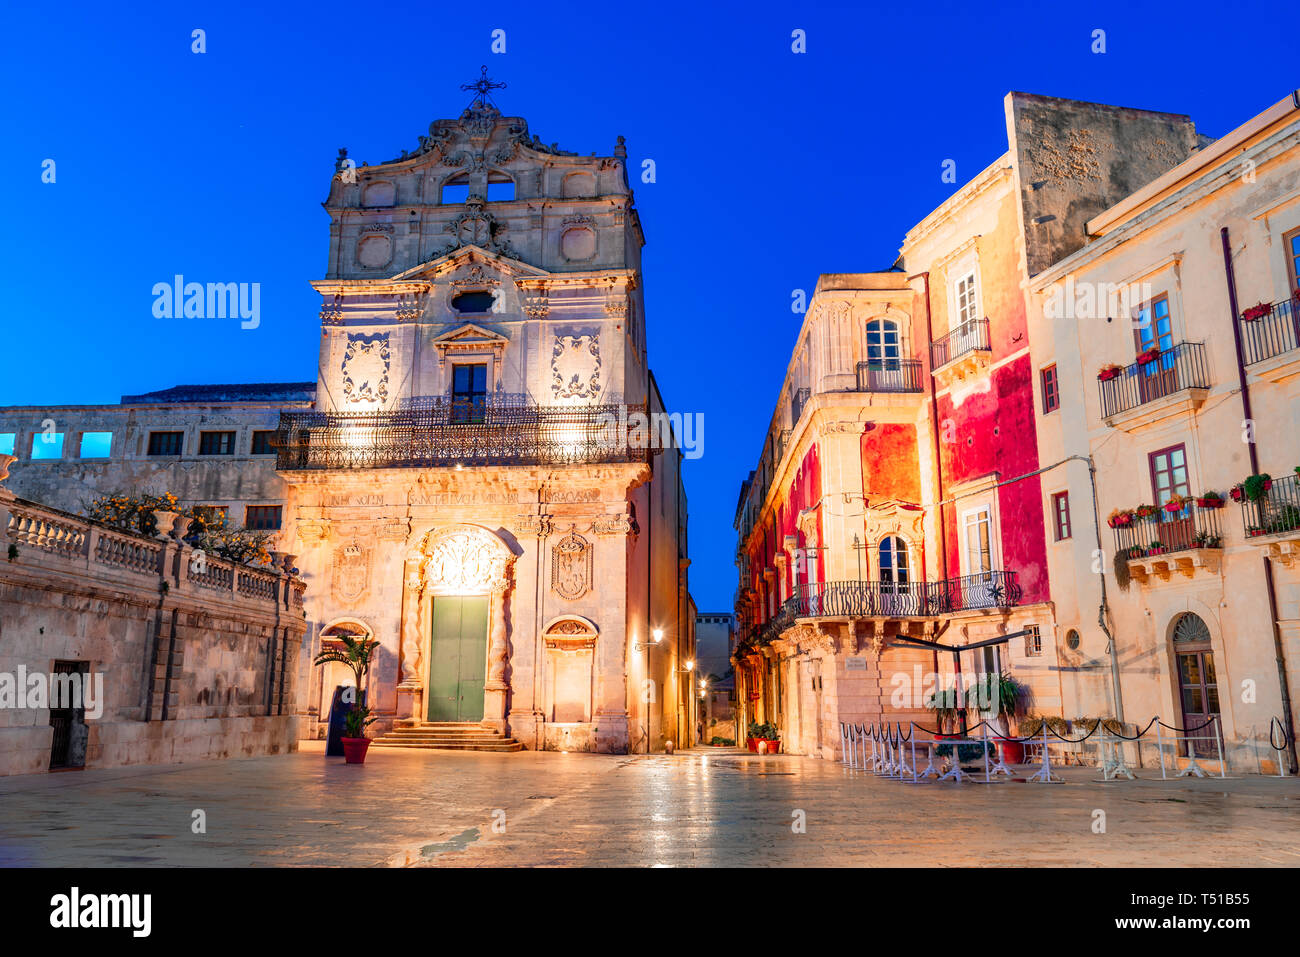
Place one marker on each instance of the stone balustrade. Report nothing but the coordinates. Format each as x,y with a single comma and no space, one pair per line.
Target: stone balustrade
54,539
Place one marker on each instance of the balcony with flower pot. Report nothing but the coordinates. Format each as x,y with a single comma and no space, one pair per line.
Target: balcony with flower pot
1270,339
1270,513
1159,385
965,351
1183,536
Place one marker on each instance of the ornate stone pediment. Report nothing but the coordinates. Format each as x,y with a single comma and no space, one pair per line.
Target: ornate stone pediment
570,633
469,338
895,518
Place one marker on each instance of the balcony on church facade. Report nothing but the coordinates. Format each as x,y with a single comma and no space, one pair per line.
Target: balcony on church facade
445,432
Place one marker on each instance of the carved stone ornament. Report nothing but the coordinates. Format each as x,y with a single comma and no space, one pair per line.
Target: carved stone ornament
464,560
365,369
351,576
570,634
613,525
575,367
571,566
534,526
476,277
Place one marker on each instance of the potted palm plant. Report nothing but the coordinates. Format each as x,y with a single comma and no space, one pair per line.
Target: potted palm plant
1014,702
356,653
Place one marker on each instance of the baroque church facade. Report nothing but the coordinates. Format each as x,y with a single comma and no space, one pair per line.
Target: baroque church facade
465,482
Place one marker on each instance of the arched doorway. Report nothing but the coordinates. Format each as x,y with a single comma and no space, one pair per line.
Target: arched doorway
454,642
335,674
1198,688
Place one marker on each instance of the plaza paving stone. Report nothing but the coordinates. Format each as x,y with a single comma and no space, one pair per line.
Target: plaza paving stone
699,808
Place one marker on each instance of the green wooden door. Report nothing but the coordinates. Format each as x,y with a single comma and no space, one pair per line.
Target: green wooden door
458,659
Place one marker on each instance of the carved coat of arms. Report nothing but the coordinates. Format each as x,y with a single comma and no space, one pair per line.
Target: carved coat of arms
351,572
575,367
571,566
365,369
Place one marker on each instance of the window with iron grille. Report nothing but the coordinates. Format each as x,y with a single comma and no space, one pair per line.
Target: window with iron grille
1061,515
166,443
262,518
262,442
1051,390
1033,641
216,443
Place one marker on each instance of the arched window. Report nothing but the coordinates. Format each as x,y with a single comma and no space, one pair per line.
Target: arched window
884,348
1190,628
455,190
893,564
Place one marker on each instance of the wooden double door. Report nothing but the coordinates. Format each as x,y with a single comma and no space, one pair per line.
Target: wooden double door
458,658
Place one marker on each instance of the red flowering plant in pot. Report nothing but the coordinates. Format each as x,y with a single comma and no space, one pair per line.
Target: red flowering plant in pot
1237,492
1257,312
1109,372
1146,512
1209,499
1120,518
1148,355
1176,503
356,653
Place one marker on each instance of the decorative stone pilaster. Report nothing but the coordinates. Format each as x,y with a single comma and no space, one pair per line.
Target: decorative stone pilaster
496,689
410,690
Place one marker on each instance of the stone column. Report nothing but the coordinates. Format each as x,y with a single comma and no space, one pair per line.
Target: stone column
495,689
410,691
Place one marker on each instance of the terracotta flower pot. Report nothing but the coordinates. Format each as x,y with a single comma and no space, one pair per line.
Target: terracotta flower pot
354,750
1013,752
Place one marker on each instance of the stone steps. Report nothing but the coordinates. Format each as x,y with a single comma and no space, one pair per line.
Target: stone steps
448,736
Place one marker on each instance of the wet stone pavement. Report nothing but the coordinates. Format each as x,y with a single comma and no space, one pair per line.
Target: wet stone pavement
708,807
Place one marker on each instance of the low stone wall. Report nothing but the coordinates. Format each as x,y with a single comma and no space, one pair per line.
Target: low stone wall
190,662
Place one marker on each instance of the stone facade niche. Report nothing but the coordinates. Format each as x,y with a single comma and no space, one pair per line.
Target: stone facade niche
570,646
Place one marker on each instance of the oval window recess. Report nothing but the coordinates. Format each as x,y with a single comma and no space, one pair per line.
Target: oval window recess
473,302
1072,639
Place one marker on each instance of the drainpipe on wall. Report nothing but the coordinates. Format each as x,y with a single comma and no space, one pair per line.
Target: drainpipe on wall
934,435
1279,653
1104,607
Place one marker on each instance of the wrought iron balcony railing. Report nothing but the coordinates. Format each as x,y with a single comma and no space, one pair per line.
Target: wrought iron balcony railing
889,375
1180,367
970,336
1192,526
1277,511
1272,334
434,431
883,599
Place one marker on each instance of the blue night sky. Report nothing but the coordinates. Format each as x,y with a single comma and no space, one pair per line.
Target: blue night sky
772,167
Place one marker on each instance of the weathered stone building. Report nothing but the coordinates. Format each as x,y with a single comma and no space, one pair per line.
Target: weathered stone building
483,477
188,660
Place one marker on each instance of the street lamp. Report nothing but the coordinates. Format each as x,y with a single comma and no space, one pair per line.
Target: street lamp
656,636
